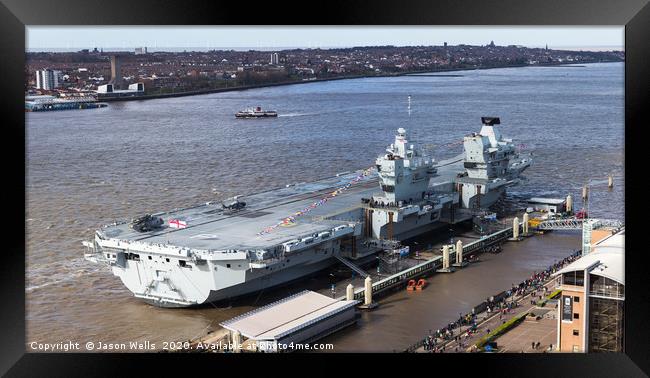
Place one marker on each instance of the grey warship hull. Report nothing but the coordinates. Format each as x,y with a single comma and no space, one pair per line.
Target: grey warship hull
209,253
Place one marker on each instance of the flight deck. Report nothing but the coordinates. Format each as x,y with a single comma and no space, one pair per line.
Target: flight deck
209,227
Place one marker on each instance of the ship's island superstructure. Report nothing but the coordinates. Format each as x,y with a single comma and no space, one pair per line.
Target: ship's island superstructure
215,251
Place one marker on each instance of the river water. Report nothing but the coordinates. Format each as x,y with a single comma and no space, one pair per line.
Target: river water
90,167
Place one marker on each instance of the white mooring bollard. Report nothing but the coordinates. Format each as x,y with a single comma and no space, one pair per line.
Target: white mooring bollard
236,341
525,224
349,292
515,228
445,257
368,293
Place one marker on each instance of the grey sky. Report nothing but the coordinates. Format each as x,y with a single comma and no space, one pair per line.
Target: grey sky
157,38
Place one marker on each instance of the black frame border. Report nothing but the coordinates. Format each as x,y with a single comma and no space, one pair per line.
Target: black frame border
634,14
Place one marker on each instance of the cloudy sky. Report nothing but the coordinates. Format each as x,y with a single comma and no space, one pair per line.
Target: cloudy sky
242,37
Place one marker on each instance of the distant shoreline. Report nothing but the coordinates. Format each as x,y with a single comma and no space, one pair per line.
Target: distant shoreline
412,73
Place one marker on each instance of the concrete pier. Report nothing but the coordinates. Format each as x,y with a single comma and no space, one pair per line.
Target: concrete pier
433,264
383,285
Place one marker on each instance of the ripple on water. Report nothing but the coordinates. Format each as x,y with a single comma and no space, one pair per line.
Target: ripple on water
166,153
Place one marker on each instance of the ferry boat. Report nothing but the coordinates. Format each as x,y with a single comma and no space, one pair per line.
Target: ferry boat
256,112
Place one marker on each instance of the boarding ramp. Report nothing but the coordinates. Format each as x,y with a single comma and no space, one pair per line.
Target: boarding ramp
350,265
576,224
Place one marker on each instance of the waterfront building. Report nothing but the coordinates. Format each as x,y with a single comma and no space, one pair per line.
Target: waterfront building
592,299
48,79
300,319
552,205
108,91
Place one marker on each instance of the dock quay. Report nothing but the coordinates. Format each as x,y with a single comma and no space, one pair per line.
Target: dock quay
224,339
431,265
507,317
423,263
474,331
427,262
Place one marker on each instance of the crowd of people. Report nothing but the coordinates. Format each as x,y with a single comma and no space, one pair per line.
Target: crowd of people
435,342
536,281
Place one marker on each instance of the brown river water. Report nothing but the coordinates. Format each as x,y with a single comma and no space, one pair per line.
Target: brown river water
86,168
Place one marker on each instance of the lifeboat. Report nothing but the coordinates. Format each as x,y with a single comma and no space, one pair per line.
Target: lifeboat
422,283
411,285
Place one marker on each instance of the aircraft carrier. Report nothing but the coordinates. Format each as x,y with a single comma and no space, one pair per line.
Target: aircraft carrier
221,250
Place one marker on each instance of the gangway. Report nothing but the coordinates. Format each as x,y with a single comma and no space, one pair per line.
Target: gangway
576,224
350,265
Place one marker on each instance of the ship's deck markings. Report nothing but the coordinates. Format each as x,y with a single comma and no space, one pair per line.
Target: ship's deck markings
255,214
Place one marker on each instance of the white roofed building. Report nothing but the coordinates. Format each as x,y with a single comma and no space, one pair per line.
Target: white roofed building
291,323
592,303
555,205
